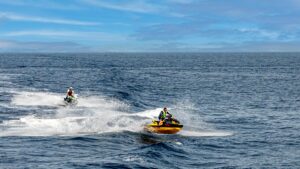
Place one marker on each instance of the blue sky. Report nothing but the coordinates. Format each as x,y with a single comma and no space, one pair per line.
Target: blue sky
149,25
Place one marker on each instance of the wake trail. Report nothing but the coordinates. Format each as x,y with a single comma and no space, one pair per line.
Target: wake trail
92,115
37,99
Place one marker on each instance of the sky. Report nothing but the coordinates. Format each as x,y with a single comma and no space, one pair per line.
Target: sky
149,26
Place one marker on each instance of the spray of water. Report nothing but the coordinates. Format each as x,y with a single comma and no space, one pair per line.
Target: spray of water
92,115
194,123
37,99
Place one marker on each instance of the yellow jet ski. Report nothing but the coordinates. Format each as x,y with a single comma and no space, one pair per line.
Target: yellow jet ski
164,128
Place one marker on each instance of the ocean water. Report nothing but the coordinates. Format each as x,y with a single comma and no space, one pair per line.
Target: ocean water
239,110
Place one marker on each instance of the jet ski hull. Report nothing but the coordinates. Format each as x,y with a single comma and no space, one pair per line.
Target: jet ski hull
163,129
70,101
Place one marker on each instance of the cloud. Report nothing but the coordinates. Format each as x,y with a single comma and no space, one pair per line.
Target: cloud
227,22
138,6
18,17
34,46
165,31
261,46
5,44
191,25
61,34
66,46
50,33
270,46
181,1
42,4
273,35
130,6
179,31
250,46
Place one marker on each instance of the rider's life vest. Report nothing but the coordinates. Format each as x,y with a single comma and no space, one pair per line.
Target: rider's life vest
164,114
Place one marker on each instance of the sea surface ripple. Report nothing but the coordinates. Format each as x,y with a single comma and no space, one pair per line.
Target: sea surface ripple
239,110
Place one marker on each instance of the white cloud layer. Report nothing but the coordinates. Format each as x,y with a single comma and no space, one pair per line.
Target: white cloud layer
27,18
61,34
132,6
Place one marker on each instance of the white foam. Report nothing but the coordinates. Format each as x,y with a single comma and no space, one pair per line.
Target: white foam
205,133
54,99
101,102
100,122
178,143
151,114
92,115
37,99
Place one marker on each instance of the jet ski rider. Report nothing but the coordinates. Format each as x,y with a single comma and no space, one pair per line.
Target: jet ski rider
165,117
70,94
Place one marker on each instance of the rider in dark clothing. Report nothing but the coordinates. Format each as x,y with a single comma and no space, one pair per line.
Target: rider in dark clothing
163,114
166,117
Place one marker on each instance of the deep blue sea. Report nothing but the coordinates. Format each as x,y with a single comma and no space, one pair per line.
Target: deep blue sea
239,110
